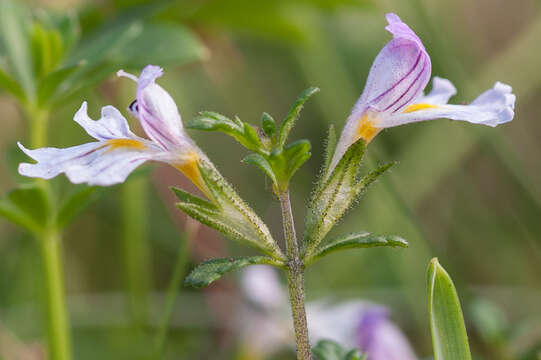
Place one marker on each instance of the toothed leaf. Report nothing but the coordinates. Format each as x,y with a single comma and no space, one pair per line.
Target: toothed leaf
262,163
268,124
357,241
292,115
209,271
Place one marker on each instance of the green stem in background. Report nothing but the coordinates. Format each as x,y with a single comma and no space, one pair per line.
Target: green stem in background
136,250
179,271
57,318
59,342
295,279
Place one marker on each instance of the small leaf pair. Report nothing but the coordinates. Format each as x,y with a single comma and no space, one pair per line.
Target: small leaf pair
277,160
29,206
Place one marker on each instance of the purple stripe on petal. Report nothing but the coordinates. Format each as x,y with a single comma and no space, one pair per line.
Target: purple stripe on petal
399,81
419,84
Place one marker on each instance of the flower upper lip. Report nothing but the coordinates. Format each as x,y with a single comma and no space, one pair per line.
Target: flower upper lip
394,96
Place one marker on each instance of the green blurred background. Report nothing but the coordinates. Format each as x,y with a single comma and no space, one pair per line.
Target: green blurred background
467,194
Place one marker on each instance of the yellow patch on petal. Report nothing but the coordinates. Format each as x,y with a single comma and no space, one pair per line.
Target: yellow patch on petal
125,143
417,107
366,129
190,167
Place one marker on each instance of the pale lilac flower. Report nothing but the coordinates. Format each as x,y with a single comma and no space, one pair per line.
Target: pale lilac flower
118,151
380,338
394,96
266,328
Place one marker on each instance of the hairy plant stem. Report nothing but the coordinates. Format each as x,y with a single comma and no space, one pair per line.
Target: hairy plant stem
49,239
295,279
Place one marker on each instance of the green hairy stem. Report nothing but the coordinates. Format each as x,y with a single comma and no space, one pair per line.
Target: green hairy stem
295,279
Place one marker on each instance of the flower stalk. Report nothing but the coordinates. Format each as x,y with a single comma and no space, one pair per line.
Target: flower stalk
57,318
49,239
295,279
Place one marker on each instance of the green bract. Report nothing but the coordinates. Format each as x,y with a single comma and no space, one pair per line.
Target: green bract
227,212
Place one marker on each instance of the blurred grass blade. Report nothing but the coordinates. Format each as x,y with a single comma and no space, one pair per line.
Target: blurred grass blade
15,44
211,270
356,241
449,337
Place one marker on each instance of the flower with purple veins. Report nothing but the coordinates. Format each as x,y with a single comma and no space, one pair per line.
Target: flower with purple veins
394,96
118,151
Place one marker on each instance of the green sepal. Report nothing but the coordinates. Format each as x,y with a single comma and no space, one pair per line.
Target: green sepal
261,162
449,337
356,241
209,271
227,213
243,132
186,197
335,194
330,350
27,206
268,125
292,115
330,146
331,200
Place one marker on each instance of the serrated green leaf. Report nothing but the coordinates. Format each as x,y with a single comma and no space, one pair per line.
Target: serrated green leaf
14,38
27,206
243,132
356,241
268,125
262,163
330,350
332,199
292,116
209,271
449,337
74,204
296,154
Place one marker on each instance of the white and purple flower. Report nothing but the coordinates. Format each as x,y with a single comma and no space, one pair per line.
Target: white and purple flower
394,96
118,151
